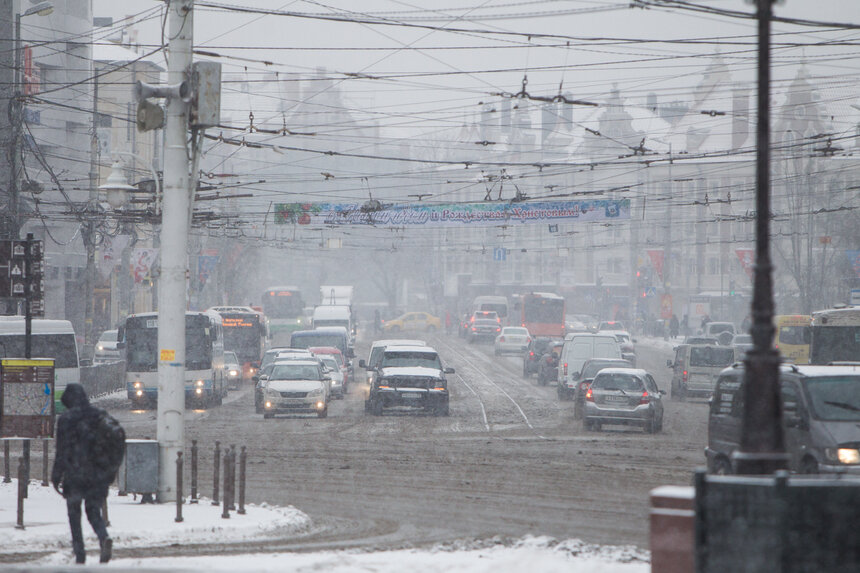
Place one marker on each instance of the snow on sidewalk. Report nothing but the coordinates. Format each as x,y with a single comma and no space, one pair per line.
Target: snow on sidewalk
134,524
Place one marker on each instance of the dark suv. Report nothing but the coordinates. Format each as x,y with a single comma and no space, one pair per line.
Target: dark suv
409,378
531,359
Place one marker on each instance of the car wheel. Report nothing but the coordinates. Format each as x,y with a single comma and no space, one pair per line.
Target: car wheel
376,407
809,466
650,426
394,328
268,415
323,413
441,410
722,467
577,411
496,352
431,329
525,370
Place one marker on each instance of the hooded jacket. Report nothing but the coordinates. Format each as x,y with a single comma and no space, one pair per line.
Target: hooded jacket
75,466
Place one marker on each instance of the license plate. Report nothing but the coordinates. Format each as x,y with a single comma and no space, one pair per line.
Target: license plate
411,396
616,398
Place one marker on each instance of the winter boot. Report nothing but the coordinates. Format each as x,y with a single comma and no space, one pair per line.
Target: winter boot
106,550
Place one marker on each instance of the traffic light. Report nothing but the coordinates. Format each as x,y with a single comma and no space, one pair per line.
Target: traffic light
732,287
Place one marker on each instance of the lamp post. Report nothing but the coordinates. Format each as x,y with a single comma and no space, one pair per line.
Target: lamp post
41,9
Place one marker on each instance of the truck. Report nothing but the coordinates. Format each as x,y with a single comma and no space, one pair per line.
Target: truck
336,295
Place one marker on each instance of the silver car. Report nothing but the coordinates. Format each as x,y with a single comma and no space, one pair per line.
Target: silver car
627,396
513,339
106,348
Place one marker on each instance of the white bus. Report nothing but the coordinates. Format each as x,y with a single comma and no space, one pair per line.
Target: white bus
204,358
49,339
835,336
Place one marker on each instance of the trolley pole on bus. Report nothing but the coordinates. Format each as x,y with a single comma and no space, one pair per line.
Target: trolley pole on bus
174,238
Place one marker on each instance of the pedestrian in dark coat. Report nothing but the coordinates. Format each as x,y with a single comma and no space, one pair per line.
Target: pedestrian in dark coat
78,474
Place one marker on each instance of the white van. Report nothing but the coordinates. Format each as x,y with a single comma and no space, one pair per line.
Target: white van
580,347
333,315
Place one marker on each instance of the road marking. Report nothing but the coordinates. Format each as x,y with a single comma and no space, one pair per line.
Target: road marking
481,402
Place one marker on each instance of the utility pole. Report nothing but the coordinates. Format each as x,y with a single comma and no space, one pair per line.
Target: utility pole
89,237
174,238
7,93
762,448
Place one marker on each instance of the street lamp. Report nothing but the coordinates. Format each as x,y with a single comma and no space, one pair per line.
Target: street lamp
116,187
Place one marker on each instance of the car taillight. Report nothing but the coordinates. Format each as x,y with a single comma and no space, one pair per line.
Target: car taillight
645,399
472,319
528,339
589,395
498,329
531,353
685,376
474,328
565,368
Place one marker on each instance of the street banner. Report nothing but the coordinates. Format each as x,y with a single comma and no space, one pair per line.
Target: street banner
854,259
656,256
450,215
206,265
745,256
111,253
142,261
666,306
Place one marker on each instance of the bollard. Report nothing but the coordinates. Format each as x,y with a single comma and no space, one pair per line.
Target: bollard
25,444
233,477
22,492
243,458
44,462
216,467
7,471
193,472
226,512
178,487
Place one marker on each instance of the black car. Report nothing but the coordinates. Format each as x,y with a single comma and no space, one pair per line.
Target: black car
531,359
409,388
483,329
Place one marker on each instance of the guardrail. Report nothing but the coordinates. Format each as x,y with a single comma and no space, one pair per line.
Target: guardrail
100,379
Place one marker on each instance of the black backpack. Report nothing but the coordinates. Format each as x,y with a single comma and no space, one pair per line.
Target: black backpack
108,446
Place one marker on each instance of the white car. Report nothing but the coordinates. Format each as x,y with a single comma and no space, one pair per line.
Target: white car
297,386
512,339
232,370
334,372
106,348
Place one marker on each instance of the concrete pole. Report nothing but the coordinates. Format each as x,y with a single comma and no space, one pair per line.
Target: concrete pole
89,239
174,237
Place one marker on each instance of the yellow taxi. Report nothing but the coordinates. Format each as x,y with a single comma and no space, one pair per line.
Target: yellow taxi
413,321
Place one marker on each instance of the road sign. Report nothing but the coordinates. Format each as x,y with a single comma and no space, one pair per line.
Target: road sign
854,297
27,398
650,291
500,254
14,273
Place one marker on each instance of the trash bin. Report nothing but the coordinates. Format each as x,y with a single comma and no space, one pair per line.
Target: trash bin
139,470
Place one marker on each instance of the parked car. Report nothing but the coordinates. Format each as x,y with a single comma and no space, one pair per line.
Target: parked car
696,367
412,321
232,370
584,379
297,386
531,358
512,339
820,418
106,348
627,396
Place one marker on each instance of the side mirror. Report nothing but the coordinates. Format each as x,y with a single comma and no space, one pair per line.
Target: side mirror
255,379
662,392
633,340
326,377
577,375
86,362
120,345
670,364
362,363
449,370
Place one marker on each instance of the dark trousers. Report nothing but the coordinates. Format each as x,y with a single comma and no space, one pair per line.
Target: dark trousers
93,504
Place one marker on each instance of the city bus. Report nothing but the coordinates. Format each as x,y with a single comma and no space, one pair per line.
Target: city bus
245,333
542,313
284,308
835,336
791,336
204,358
48,339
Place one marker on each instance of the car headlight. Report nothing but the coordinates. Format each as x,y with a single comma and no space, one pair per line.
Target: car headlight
199,383
138,384
100,347
233,372
847,456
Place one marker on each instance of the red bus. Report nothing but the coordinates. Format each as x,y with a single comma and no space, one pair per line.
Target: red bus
543,313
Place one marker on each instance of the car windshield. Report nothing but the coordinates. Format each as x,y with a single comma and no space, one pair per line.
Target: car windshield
618,382
408,358
711,356
835,398
230,358
295,372
108,336
330,361
718,327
